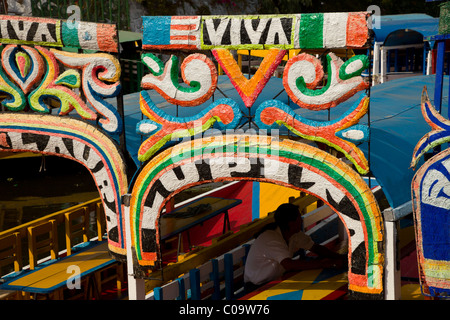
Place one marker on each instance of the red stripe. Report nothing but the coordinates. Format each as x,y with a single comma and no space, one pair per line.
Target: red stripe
188,37
184,17
357,30
169,46
106,37
183,26
337,294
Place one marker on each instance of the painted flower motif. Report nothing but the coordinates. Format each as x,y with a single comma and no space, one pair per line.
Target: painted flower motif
31,78
197,70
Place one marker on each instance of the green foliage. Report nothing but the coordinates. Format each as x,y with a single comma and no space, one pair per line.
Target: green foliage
109,11
283,6
169,7
159,7
387,7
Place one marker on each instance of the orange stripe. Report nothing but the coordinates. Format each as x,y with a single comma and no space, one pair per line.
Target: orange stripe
357,30
107,38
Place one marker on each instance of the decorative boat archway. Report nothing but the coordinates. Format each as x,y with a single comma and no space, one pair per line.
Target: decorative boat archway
286,162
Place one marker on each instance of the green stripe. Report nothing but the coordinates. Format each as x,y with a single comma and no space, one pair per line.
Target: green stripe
317,163
70,35
311,30
140,197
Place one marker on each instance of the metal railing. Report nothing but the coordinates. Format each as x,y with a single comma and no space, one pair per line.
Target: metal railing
96,226
102,11
132,73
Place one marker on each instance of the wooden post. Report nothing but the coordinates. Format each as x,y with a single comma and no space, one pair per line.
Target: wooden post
194,277
181,289
228,264
158,293
383,64
215,279
100,213
429,62
438,86
376,63
136,287
392,263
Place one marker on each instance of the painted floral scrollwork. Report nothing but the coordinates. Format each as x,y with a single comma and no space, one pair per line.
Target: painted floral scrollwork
30,76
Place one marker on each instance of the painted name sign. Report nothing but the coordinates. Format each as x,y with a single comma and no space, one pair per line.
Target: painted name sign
58,33
239,31
30,31
318,30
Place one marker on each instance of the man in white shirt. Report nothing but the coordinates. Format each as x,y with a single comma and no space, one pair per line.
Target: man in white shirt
273,249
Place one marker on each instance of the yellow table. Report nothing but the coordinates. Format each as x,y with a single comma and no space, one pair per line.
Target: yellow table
50,278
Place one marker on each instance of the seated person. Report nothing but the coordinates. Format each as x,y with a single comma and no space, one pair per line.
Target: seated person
273,250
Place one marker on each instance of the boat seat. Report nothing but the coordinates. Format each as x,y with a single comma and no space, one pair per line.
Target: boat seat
77,228
10,254
42,238
11,251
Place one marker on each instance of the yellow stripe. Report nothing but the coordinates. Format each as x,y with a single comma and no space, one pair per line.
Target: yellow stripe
436,269
56,273
304,281
272,195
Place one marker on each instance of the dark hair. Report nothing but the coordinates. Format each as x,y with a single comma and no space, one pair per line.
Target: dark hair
284,214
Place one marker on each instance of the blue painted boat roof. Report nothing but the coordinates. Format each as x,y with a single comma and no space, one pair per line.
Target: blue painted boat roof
397,30
273,89
396,125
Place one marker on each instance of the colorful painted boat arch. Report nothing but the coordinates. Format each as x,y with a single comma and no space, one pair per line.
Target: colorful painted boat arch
79,141
30,75
431,211
36,77
256,156
259,158
431,204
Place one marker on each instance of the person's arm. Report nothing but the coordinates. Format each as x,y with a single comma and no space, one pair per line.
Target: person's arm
330,259
300,264
324,252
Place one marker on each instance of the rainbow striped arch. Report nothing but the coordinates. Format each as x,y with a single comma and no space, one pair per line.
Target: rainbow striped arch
259,158
79,141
